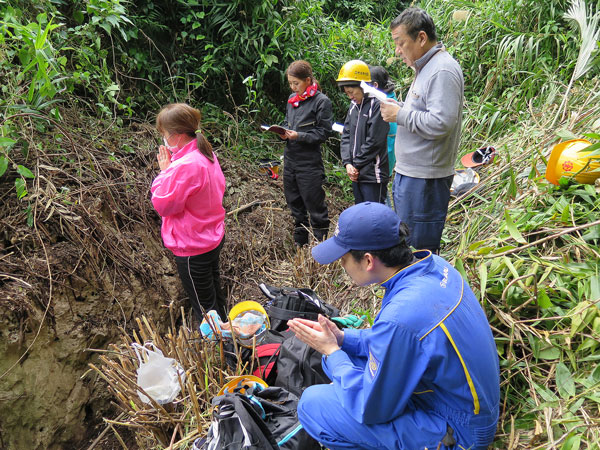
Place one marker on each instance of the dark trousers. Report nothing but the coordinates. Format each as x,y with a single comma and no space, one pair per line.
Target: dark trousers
304,195
369,192
201,281
422,204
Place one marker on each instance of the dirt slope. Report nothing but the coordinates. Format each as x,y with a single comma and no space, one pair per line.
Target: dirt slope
91,260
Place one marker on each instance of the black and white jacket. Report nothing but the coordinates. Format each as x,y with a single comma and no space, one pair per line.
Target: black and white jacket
364,141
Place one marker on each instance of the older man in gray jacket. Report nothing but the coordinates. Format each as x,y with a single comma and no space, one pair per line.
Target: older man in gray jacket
429,125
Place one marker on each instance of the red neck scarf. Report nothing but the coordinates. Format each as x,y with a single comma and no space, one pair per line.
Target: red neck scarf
309,92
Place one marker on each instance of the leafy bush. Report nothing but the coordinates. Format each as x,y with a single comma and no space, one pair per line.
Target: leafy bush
363,11
46,57
211,47
515,55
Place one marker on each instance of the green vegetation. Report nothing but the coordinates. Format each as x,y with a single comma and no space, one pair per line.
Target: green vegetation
529,249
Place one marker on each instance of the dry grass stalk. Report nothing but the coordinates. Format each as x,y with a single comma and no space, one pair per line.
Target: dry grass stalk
189,414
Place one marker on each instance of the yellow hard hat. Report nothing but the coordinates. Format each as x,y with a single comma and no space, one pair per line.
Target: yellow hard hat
249,322
569,158
354,72
240,383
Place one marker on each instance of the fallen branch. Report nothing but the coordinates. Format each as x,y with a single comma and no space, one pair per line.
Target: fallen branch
248,206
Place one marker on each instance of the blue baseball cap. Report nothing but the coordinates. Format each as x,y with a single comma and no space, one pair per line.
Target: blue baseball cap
365,226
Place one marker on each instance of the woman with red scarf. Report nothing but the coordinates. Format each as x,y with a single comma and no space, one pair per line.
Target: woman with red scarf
308,122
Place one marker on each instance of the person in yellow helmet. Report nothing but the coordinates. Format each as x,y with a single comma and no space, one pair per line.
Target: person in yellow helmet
364,139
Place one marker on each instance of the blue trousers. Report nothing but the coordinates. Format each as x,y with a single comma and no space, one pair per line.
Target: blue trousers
422,203
369,192
326,420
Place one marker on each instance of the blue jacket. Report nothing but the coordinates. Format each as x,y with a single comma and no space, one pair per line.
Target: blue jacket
430,348
391,139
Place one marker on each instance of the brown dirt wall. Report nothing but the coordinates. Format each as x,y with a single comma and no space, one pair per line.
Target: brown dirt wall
91,260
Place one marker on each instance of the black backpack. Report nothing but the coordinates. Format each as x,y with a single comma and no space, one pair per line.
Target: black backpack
299,366
258,419
281,360
266,354
289,303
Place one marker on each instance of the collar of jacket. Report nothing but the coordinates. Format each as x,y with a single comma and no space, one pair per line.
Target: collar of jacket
420,63
187,148
366,100
423,264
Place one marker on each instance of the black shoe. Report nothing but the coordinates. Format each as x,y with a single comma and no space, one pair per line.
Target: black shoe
320,233
301,236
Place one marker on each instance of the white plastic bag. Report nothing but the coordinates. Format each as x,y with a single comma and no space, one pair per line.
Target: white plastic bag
157,375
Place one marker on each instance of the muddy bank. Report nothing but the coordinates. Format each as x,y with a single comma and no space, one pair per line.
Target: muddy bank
46,401
81,257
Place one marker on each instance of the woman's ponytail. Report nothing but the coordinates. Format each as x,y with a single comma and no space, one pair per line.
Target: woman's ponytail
204,146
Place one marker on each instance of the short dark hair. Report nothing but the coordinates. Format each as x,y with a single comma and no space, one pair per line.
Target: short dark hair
399,255
380,76
415,20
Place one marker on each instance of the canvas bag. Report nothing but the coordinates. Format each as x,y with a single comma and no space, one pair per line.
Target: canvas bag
258,419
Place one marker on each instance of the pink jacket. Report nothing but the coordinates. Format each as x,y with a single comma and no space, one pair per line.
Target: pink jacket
188,195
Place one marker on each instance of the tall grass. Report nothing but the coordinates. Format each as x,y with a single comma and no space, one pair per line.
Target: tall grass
530,250
516,55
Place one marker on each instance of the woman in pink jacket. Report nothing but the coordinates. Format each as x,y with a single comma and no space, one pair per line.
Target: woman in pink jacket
188,195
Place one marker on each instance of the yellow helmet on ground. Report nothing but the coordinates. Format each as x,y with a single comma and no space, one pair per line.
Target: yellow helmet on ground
249,322
241,383
569,159
353,72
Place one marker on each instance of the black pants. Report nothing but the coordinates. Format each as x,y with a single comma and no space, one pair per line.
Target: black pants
304,194
369,192
201,281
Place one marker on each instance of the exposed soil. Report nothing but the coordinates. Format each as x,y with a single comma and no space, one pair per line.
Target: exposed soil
91,260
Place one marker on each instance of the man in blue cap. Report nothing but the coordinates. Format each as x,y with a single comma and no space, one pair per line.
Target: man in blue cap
426,374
